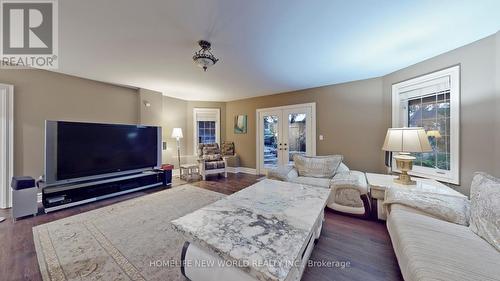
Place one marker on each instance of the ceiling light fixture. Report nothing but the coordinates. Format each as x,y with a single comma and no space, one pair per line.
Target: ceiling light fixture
204,57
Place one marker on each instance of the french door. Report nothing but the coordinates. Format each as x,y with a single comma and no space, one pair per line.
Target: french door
283,132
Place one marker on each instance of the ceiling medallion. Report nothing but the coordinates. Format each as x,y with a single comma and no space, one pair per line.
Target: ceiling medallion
204,57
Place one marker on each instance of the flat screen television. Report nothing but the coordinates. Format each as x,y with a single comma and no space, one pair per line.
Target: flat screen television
77,151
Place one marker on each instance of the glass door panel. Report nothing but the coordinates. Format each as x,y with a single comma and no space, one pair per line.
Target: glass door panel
297,136
270,134
297,133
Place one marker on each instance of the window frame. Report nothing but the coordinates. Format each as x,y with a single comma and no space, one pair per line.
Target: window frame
453,73
216,113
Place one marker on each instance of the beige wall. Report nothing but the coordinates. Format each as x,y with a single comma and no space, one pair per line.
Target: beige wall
42,95
151,115
174,116
477,103
350,116
497,128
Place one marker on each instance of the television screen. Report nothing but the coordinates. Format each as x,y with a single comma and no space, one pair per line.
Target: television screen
87,149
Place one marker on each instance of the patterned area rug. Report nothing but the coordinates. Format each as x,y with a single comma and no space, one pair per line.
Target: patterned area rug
130,240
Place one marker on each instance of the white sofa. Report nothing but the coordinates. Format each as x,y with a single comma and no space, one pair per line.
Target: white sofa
429,248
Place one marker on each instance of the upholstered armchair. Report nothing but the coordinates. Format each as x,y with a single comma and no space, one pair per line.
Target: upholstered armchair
350,193
210,160
349,189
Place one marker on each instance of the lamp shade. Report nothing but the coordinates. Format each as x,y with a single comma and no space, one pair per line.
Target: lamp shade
434,133
406,140
177,133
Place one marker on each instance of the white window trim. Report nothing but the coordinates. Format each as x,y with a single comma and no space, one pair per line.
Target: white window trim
6,144
452,176
197,110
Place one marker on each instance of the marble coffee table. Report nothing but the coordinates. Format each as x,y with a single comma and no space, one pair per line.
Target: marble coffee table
264,232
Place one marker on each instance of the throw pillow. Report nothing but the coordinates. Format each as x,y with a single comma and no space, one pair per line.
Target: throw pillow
485,208
228,148
317,166
211,157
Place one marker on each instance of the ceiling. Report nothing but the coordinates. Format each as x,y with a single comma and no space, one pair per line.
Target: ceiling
264,46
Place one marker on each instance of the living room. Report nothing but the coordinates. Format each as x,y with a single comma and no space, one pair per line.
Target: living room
249,106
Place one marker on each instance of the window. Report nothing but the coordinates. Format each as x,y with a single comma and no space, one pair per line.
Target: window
432,102
206,131
206,126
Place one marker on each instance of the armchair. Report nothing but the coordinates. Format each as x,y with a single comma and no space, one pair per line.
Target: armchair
349,189
210,160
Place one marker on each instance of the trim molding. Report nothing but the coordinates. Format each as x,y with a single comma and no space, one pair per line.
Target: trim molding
6,143
244,170
233,170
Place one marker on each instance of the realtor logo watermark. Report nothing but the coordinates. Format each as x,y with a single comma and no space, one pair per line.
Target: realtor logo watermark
29,34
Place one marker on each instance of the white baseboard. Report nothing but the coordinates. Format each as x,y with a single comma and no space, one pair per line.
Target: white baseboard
243,170
234,170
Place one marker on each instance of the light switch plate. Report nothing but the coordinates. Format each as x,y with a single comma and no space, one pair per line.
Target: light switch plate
321,137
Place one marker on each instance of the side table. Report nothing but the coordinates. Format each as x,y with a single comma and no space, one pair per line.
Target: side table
379,183
189,170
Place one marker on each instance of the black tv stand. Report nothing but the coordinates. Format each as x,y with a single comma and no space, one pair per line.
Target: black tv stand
69,195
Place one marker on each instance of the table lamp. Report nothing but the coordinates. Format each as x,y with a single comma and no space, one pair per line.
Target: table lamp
405,141
177,135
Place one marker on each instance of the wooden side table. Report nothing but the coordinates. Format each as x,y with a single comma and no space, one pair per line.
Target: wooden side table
379,183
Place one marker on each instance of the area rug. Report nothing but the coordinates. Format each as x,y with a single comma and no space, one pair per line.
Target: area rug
131,240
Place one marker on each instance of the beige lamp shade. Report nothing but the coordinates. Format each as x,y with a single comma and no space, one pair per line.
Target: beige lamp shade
434,133
406,140
177,133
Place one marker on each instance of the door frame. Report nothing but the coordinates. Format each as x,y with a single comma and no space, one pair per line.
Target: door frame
6,144
312,105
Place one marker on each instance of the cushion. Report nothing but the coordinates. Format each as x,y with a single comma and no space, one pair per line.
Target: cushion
280,173
227,148
430,249
355,180
211,157
212,165
485,208
347,197
450,208
201,146
342,168
211,150
317,166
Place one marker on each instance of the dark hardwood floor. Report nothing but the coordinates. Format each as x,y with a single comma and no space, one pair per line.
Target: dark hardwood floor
350,248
